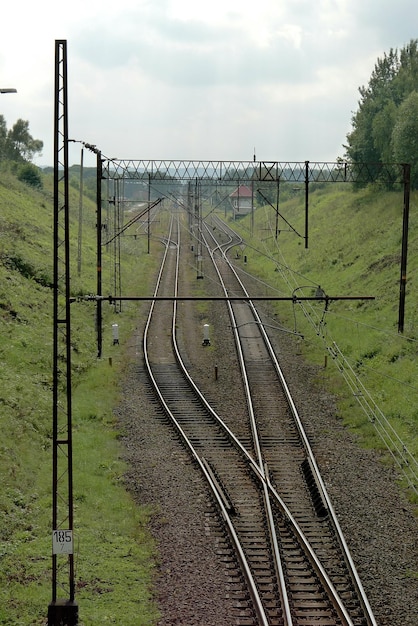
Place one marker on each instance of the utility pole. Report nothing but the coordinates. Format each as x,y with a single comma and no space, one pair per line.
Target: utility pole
404,253
99,316
80,215
148,215
277,208
306,202
62,611
99,226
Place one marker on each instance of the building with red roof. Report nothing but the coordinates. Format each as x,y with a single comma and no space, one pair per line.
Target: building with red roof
241,200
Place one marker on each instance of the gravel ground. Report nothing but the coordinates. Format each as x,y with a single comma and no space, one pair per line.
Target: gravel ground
377,520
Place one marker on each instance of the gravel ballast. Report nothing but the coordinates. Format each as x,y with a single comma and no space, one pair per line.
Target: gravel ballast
191,585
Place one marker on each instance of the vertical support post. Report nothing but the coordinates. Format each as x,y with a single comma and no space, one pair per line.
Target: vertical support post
252,208
198,221
277,207
404,253
80,215
99,320
148,216
115,249
119,222
306,202
189,207
62,612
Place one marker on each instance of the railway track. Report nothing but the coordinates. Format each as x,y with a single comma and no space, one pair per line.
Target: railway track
279,536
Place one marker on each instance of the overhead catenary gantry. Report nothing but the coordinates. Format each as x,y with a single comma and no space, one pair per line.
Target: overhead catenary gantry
255,172
291,171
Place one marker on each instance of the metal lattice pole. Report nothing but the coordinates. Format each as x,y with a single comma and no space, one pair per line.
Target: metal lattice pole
62,610
404,253
99,226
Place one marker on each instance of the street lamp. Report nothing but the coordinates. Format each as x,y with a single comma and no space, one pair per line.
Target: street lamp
8,90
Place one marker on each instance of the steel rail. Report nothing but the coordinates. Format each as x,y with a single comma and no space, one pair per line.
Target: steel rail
258,472
350,563
263,472
246,570
263,478
287,615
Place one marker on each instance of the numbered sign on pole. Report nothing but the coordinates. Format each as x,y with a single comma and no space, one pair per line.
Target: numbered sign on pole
62,542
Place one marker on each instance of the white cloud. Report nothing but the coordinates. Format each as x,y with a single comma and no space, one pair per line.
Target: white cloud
186,79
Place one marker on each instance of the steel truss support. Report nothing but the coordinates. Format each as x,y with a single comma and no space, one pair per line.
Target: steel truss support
62,610
256,171
250,172
227,172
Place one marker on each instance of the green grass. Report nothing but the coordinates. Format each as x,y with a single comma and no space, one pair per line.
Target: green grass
115,554
354,248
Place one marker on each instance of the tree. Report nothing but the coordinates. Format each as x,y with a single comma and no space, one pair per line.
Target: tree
405,135
19,144
28,173
382,128
385,127
377,96
3,136
407,78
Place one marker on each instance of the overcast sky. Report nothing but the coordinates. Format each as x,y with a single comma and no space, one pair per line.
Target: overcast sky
193,79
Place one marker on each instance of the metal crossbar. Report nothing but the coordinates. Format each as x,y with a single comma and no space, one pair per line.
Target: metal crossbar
266,171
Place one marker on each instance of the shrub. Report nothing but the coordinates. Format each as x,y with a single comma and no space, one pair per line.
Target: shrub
30,174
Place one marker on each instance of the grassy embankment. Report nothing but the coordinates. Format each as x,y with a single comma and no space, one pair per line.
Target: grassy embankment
354,250
114,552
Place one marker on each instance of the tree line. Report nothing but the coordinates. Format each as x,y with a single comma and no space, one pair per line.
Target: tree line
385,126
